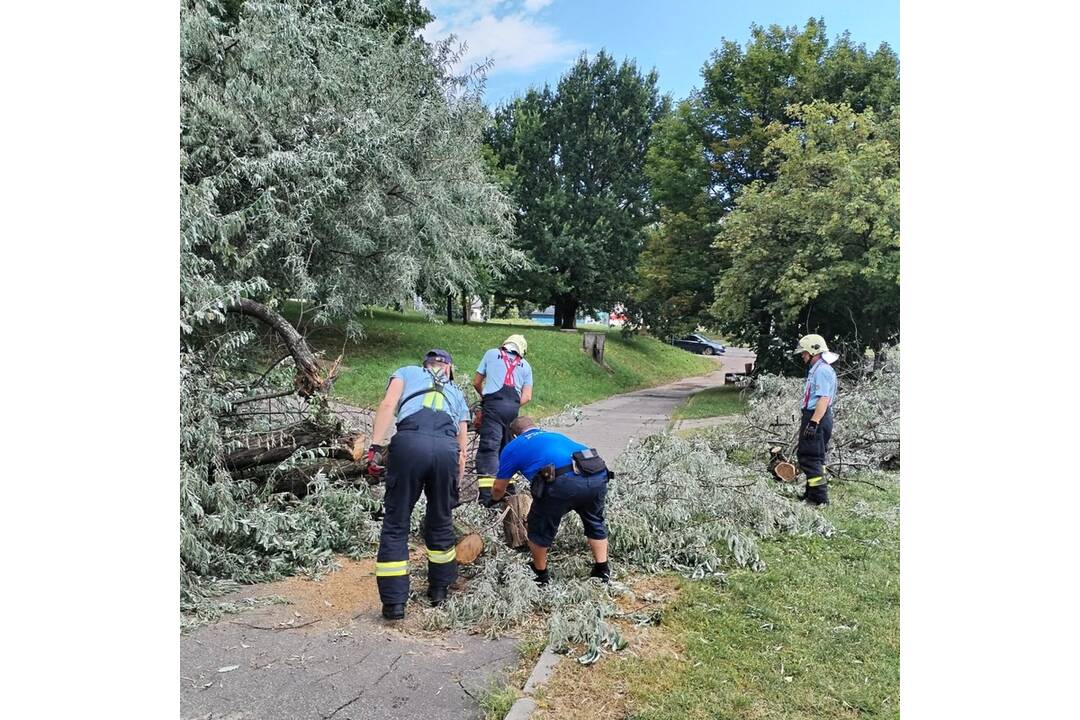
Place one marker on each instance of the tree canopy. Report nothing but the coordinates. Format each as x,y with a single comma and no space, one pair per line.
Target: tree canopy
817,249
573,160
324,158
714,144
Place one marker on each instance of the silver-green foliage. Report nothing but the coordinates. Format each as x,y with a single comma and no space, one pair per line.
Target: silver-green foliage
866,416
676,505
680,505
330,158
324,156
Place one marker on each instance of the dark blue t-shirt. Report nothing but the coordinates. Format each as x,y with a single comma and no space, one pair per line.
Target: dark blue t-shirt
534,449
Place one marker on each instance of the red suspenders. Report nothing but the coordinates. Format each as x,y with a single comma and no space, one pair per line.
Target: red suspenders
511,365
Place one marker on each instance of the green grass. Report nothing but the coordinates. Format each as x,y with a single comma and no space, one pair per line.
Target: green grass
714,402
817,635
496,701
562,373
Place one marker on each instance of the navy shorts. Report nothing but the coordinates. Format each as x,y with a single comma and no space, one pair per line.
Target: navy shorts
583,495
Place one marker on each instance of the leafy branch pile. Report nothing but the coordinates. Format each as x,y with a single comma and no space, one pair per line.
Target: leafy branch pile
866,433
676,505
694,506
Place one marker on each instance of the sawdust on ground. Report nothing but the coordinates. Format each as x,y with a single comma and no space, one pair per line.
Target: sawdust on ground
338,597
333,599
599,691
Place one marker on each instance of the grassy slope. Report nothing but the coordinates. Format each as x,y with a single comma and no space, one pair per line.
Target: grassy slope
563,373
714,402
817,635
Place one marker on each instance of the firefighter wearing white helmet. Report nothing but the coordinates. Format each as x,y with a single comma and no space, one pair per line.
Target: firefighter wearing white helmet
816,424
504,382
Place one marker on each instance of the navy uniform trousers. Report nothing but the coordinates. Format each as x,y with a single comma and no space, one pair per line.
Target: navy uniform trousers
423,455
500,409
811,454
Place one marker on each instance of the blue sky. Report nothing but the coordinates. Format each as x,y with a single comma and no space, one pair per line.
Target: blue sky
534,41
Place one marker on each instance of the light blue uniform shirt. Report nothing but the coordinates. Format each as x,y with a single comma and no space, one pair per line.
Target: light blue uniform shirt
493,369
416,378
820,382
532,450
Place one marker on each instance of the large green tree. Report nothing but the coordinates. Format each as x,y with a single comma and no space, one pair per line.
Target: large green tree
573,158
713,145
817,248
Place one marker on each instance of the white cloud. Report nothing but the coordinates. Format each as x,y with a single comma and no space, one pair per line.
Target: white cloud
505,32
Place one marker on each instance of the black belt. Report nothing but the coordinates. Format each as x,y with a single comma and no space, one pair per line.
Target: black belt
568,469
559,471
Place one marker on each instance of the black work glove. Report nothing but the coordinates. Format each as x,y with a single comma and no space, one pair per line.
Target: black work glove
810,431
376,457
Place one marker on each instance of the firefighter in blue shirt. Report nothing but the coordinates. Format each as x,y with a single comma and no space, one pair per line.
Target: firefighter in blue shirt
427,454
563,475
504,382
816,424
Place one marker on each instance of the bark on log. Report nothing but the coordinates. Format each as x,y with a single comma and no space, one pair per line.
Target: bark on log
514,530
273,448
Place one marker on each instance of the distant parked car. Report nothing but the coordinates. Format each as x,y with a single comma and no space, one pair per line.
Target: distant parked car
697,343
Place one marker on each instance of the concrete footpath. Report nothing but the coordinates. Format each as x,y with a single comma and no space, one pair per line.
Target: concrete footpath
314,659
610,424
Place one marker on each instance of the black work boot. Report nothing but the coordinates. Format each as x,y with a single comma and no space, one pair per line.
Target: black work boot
437,595
601,570
393,611
541,575
818,495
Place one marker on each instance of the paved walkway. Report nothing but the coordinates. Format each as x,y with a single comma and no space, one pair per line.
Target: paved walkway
270,663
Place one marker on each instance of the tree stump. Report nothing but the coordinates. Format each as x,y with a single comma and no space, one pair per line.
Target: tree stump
514,529
593,345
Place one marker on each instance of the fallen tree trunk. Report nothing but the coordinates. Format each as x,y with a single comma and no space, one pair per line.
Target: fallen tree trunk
274,448
311,377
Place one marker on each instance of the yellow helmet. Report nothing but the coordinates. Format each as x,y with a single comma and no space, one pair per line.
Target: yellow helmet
813,344
518,342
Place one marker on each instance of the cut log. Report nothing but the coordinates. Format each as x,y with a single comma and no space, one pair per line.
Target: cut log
785,471
514,528
780,467
469,548
296,480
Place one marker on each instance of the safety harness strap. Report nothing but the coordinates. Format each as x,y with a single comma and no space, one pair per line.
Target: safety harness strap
511,362
434,396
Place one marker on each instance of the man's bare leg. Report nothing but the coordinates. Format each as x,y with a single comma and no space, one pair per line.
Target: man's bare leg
599,549
539,555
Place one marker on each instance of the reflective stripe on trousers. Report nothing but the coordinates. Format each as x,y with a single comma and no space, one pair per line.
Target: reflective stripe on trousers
423,457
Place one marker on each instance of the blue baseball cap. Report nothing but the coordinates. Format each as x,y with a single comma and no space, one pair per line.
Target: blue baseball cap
439,354
442,356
